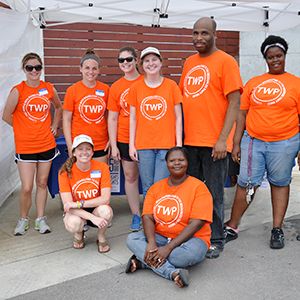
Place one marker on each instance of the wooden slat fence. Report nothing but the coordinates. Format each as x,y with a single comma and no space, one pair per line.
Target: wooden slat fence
64,46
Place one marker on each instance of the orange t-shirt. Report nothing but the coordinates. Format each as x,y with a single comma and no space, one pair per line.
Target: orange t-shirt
205,83
155,114
118,102
32,118
173,206
273,104
88,106
85,185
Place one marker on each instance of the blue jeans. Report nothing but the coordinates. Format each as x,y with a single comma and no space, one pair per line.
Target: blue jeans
275,158
187,254
213,174
152,167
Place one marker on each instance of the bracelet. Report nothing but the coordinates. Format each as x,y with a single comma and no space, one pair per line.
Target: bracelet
82,203
78,204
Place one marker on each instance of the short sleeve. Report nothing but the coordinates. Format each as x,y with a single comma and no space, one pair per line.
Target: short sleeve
245,98
69,99
64,182
105,177
132,95
177,95
149,201
113,99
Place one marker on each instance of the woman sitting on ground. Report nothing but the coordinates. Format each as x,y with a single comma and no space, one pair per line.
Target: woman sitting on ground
176,218
84,185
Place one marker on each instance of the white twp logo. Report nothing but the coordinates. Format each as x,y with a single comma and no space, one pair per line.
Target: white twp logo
36,108
269,92
123,102
86,188
196,81
92,109
168,210
153,107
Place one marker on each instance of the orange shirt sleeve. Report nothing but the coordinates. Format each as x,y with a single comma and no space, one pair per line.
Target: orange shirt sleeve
64,183
132,95
177,96
113,100
68,100
105,177
245,98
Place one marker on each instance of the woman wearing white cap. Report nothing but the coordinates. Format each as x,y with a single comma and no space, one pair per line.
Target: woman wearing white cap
155,119
85,189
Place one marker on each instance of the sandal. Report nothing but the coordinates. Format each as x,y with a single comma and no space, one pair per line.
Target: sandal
79,243
102,245
181,278
133,265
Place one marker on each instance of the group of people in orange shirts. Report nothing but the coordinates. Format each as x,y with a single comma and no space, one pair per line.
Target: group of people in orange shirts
144,120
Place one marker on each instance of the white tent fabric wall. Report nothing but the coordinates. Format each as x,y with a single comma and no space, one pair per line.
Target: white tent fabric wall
18,36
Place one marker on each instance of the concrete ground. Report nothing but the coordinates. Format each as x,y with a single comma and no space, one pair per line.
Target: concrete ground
38,266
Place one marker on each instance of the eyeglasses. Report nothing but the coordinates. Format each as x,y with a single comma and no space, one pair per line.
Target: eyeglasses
128,59
30,68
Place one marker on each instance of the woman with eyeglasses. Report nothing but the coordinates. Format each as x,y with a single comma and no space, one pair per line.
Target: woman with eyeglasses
85,107
155,119
118,129
27,110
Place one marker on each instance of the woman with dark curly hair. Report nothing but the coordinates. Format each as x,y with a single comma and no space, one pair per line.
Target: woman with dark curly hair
267,138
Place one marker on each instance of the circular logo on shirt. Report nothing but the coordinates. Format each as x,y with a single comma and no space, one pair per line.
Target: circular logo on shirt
269,92
168,210
36,108
92,109
123,102
196,81
153,107
86,189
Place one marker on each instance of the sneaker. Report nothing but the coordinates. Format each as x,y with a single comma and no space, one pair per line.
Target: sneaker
22,226
136,223
277,238
41,225
213,251
230,234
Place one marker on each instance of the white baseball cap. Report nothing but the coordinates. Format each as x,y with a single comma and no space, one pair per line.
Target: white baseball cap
150,50
82,138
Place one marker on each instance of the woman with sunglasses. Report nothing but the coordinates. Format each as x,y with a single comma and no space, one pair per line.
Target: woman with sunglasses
155,119
118,129
85,107
27,110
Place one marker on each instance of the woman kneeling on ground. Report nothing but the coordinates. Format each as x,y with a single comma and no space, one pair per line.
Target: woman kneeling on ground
176,218
85,187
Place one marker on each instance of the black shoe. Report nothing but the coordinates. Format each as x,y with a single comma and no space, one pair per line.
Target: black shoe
277,238
213,251
230,234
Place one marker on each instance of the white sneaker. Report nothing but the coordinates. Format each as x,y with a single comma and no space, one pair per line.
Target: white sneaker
22,226
41,225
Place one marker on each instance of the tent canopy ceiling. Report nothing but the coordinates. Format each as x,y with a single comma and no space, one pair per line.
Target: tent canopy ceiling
230,15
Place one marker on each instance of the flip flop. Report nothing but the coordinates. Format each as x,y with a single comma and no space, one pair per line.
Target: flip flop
132,260
102,245
79,243
183,275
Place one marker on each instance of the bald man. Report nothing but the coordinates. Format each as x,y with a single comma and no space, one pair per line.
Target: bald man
211,87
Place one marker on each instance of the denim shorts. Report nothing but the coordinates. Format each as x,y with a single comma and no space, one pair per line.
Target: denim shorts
277,159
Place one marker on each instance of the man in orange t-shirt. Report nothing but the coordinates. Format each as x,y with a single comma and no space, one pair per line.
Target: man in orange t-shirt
211,87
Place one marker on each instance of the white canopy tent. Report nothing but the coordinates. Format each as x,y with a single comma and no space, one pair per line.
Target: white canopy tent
231,15
21,33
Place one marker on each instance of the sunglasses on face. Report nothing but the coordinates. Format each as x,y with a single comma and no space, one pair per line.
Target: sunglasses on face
30,68
128,59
